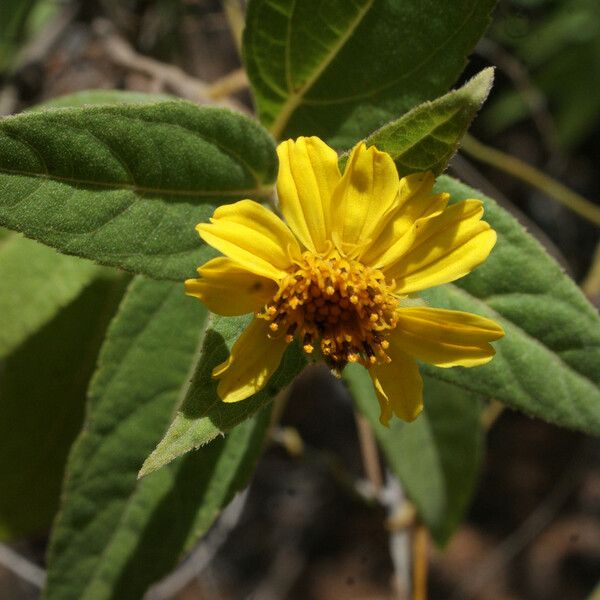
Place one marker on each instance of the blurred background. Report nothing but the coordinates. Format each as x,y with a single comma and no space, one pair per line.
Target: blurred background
304,530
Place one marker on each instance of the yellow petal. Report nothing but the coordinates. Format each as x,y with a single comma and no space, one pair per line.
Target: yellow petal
308,173
440,248
252,236
228,289
446,338
253,359
399,386
363,198
415,201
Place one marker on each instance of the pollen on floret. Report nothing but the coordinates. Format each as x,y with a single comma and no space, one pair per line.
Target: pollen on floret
339,305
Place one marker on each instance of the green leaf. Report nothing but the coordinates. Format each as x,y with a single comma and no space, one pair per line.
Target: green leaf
548,364
117,534
125,185
341,69
37,282
426,138
437,457
42,397
202,416
95,97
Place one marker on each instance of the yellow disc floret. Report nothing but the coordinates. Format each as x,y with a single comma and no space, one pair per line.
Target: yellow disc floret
340,304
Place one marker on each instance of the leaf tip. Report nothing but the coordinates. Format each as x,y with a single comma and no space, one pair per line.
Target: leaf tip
154,462
480,85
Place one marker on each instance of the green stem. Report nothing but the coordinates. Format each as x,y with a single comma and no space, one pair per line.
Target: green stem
236,19
521,170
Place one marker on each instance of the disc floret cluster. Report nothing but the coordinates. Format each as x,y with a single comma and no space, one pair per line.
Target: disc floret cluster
343,307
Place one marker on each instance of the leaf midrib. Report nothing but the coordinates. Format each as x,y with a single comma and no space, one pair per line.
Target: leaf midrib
376,90
295,99
118,186
430,131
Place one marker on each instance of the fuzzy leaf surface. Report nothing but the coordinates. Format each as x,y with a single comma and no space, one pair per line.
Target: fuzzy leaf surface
548,364
202,416
37,282
125,185
116,534
426,137
101,96
42,400
343,68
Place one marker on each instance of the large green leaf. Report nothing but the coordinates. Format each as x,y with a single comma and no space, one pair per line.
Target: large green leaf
437,457
42,397
426,137
202,416
36,283
117,534
125,185
340,69
548,364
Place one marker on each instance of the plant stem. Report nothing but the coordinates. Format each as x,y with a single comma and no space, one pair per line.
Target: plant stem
228,84
235,17
369,453
392,497
420,542
491,413
591,284
521,170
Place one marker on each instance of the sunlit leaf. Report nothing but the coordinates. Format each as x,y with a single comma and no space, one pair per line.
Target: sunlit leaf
117,534
340,69
125,185
36,283
425,138
548,364
42,400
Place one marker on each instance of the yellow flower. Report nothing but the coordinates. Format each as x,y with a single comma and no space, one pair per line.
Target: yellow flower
337,275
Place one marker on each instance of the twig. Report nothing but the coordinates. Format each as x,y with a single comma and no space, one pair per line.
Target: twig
369,453
491,413
465,171
521,170
531,95
402,516
236,20
40,45
167,76
283,572
205,551
519,539
295,446
591,284
229,84
22,567
420,543
393,498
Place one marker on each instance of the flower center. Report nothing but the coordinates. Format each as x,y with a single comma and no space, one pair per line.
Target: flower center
338,303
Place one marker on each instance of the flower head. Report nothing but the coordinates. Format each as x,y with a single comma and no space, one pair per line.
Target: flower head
337,273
